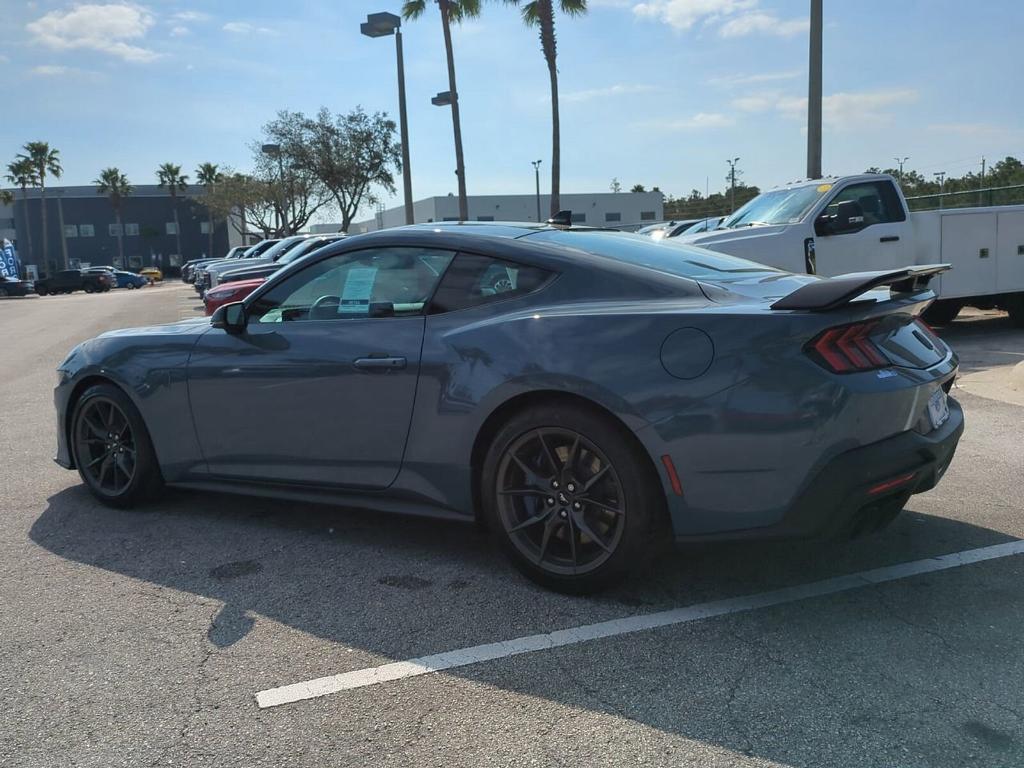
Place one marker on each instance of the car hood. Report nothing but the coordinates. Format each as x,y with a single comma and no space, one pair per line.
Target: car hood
715,236
193,325
226,266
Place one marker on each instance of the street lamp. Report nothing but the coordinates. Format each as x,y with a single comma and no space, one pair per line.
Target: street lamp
941,176
536,173
732,182
814,93
382,25
443,99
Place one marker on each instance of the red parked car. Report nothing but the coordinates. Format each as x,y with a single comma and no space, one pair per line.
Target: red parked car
230,292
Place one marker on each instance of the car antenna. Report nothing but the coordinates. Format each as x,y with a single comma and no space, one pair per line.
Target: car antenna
561,219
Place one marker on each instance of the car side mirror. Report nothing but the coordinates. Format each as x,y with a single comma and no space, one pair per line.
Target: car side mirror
231,317
849,217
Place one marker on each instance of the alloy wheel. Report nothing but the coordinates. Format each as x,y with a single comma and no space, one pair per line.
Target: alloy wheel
105,446
560,501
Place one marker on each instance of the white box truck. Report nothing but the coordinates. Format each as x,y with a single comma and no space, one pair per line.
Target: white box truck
862,223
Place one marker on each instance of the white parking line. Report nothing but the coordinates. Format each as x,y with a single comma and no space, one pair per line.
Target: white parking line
360,678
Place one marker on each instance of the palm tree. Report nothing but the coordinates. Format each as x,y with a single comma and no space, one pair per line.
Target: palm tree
208,175
115,185
22,173
451,10
6,197
541,13
170,177
44,160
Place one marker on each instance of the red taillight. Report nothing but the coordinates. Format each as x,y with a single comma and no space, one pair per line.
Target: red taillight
848,349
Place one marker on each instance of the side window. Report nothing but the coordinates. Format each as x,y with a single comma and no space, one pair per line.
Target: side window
472,280
376,282
878,199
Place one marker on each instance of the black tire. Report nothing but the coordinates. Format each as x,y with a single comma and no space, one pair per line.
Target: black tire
3,293
112,449
942,312
1014,305
89,289
579,531
41,291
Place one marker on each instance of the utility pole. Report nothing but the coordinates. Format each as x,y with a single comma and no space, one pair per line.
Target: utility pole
814,95
941,176
901,161
536,175
732,183
980,193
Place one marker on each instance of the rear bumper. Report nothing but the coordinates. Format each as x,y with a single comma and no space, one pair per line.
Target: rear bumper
863,489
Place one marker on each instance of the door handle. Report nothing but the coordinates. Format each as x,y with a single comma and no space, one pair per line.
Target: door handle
889,239
379,363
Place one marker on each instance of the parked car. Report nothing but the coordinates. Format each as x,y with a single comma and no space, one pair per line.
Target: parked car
130,280
211,272
234,291
307,246
188,268
668,228
589,394
152,274
12,286
253,252
71,280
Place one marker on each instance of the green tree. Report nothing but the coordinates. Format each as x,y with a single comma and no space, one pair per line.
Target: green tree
170,178
451,11
44,160
114,185
638,188
22,173
541,14
209,176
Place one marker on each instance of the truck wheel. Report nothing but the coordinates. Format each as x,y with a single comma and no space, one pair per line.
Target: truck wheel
942,312
89,289
41,291
1015,306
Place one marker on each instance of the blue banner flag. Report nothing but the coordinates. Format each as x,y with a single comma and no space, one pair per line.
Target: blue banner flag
9,266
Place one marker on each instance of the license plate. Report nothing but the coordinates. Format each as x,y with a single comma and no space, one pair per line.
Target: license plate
938,408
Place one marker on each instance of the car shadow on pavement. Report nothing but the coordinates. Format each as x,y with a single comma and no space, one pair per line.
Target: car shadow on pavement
835,675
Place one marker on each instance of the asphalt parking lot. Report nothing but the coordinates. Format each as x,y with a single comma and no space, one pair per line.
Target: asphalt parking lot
143,638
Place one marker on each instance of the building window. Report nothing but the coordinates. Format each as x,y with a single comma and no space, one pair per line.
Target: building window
579,218
114,230
172,228
647,216
204,227
70,230
86,230
131,229
485,218
613,217
450,218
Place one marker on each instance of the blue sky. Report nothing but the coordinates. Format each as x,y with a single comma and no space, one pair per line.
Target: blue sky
658,92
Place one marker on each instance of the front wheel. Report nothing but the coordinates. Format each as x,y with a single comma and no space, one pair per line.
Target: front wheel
89,289
571,498
112,449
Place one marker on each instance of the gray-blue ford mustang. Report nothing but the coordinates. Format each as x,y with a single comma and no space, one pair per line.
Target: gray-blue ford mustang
588,395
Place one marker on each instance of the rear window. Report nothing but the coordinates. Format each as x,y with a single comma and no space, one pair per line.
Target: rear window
663,255
473,280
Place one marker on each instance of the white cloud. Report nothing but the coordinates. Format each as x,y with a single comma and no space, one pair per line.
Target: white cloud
103,28
734,18
245,28
58,70
190,16
701,120
760,77
612,90
180,31
842,110
765,24
755,102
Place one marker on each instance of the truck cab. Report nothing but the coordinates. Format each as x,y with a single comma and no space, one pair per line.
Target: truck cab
825,226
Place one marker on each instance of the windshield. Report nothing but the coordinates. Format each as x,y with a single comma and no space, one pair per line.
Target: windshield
307,246
663,255
259,248
780,206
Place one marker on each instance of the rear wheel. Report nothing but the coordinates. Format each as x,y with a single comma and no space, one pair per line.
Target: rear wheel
41,291
89,289
570,498
113,452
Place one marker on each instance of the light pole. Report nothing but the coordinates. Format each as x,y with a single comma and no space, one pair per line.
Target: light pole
901,161
275,149
536,175
814,95
732,183
941,176
382,25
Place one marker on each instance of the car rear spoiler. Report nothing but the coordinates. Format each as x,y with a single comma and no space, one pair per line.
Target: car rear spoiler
835,292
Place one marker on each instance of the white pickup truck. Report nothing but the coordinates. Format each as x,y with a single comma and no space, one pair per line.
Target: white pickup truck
862,223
